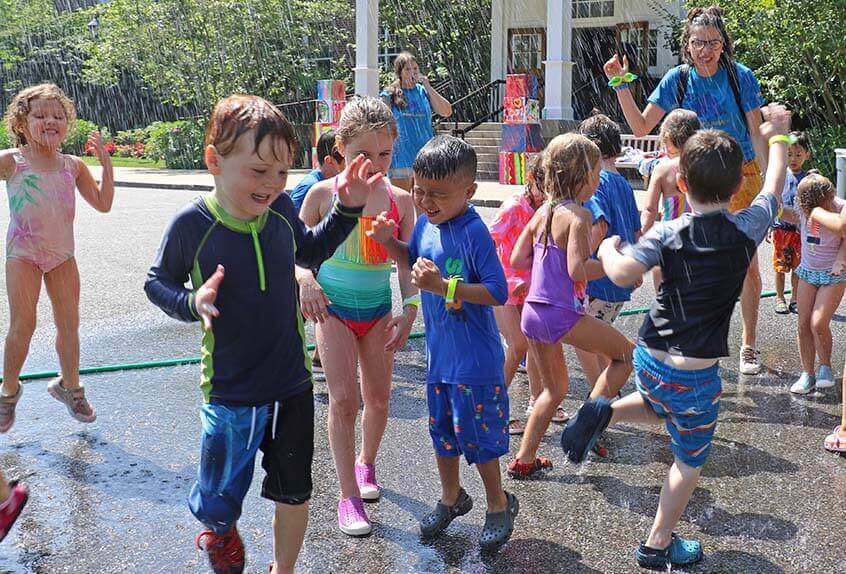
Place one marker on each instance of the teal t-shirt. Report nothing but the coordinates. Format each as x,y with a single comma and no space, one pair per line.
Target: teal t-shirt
414,126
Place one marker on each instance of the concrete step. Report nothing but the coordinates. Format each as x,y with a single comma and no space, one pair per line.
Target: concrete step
487,175
486,149
484,141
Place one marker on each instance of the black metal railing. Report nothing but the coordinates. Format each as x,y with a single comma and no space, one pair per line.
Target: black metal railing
482,105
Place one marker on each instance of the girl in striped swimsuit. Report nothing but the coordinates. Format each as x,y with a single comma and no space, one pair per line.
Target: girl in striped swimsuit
351,301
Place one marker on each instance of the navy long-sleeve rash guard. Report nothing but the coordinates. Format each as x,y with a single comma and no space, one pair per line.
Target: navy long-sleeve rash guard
255,352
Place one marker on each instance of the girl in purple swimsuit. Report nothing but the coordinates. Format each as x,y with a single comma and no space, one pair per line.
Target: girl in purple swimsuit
556,245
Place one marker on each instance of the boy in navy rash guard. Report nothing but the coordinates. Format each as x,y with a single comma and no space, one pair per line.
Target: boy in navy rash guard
239,245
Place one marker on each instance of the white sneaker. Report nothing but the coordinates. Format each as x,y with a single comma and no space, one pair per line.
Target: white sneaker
750,362
804,385
825,378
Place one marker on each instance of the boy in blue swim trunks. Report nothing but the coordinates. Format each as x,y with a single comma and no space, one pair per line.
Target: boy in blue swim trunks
704,256
238,245
454,263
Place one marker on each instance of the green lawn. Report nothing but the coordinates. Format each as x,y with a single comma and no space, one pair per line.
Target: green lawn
126,162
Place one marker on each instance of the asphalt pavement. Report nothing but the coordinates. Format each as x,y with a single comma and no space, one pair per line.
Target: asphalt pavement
110,497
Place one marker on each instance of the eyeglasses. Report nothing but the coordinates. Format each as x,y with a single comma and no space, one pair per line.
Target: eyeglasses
701,44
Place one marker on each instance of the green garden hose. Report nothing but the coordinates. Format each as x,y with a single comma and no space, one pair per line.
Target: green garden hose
194,360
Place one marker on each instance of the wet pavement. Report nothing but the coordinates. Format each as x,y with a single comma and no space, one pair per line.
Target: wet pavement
110,497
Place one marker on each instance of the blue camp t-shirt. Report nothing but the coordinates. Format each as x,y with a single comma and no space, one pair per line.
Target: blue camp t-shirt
713,101
414,126
462,345
298,193
614,202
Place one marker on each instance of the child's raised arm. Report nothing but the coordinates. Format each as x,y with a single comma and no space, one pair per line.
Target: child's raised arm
99,197
834,222
777,124
382,231
7,163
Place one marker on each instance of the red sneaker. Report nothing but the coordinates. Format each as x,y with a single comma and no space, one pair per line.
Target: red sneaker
11,508
226,552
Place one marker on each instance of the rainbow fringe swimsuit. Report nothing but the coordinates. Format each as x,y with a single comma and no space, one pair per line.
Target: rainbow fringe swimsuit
357,278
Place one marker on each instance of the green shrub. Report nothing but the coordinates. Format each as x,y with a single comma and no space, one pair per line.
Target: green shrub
824,140
179,143
128,137
77,136
5,140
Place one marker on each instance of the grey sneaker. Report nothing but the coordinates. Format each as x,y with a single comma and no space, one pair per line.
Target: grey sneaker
74,400
7,409
750,363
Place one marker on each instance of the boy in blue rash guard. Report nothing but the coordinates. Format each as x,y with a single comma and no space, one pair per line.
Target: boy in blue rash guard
454,263
239,245
704,257
614,212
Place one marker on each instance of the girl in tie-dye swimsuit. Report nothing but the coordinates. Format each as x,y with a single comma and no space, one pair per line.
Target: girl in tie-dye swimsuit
41,184
357,328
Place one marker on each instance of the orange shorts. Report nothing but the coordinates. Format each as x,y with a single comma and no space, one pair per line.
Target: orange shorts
751,186
787,250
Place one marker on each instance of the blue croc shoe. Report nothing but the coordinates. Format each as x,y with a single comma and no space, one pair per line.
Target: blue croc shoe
680,553
584,428
825,378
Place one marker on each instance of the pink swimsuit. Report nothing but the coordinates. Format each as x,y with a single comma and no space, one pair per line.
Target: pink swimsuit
41,212
513,216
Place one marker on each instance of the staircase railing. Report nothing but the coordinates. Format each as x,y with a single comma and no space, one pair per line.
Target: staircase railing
488,97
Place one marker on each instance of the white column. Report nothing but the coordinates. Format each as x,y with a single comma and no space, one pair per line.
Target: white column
366,45
498,52
558,92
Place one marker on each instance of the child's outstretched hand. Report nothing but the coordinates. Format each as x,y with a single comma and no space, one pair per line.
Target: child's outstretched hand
205,298
839,267
353,183
383,228
613,67
95,140
776,120
426,275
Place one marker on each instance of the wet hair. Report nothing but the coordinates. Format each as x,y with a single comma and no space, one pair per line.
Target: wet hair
536,169
20,107
364,114
394,89
604,132
446,156
710,16
326,146
679,126
711,163
813,191
802,140
567,162
237,114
